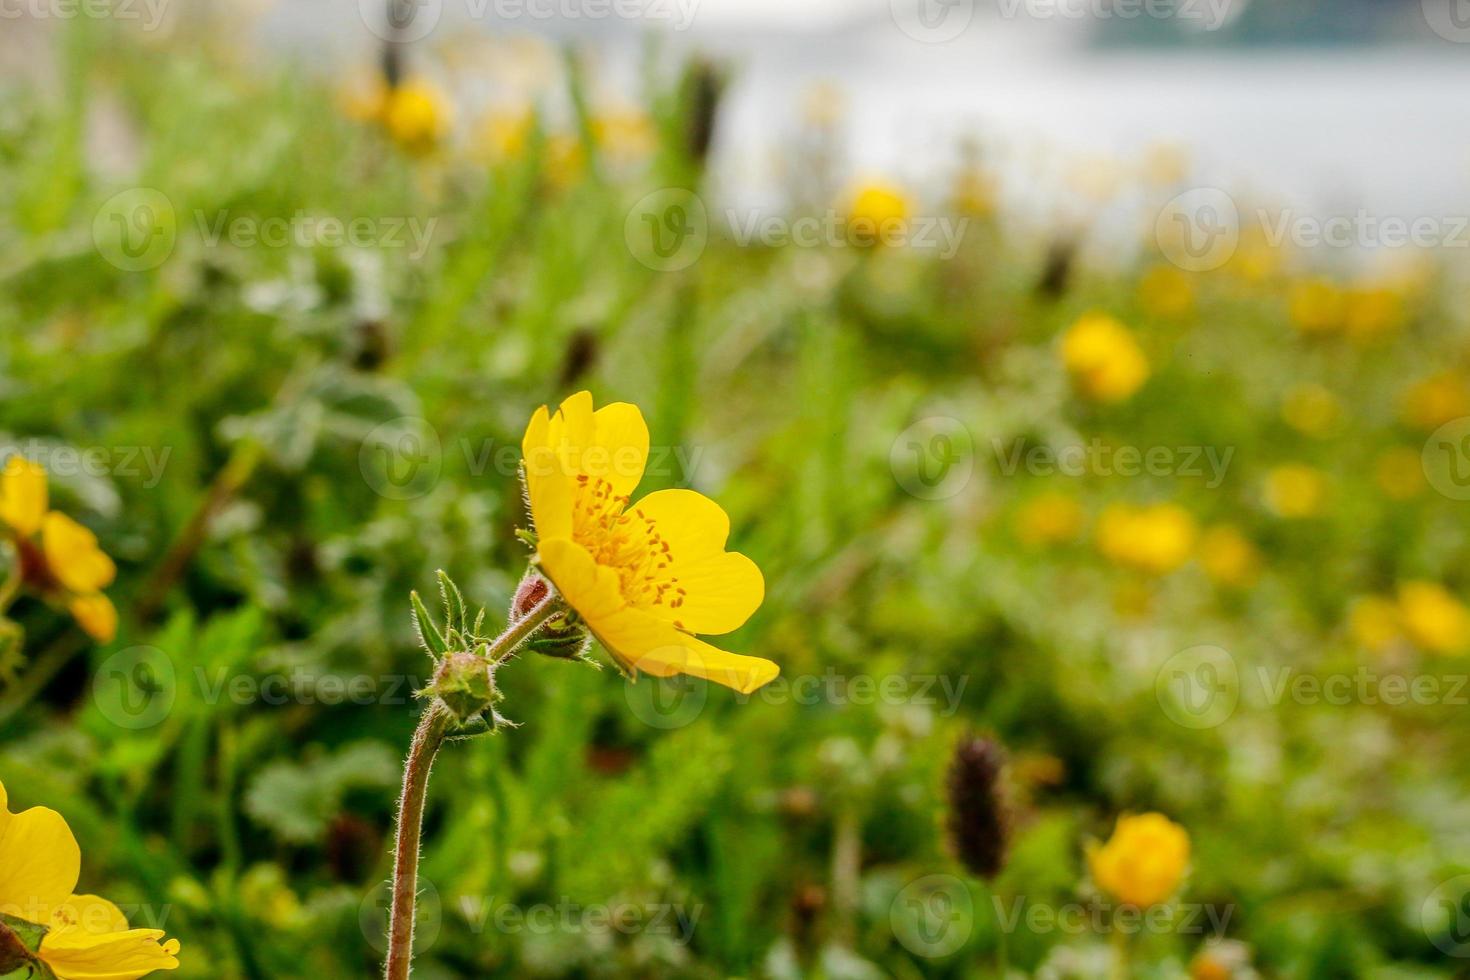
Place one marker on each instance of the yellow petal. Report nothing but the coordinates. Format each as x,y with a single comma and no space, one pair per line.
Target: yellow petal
720,589
647,643
39,862
73,556
80,955
588,587
23,498
88,914
96,615
610,444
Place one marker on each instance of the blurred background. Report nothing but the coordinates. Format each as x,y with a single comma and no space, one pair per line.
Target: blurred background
1087,376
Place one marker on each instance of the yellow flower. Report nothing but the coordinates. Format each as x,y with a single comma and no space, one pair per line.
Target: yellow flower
877,211
1435,400
504,135
1373,311
59,558
1317,306
1104,360
1295,490
87,937
1164,164
1399,472
1310,409
1373,622
645,577
1144,861
1049,518
1156,538
1228,556
1433,618
1166,291
416,116
624,136
975,192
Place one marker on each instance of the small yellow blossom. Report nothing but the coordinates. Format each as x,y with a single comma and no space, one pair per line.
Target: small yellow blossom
504,135
1165,164
1373,622
1433,618
1228,557
1166,291
1296,490
1049,518
59,558
1144,862
645,577
1311,409
87,937
877,211
1157,538
1373,311
416,115
1317,306
1105,362
1399,473
625,136
1435,400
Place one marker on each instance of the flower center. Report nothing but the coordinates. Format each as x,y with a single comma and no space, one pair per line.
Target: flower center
626,541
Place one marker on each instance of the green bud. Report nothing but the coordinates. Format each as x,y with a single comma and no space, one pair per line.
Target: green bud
465,682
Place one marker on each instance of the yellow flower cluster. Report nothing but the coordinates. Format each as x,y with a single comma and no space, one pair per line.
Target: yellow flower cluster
59,558
1424,613
1156,538
1105,362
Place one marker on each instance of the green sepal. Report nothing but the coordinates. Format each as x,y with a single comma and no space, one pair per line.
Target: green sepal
454,615
429,634
19,941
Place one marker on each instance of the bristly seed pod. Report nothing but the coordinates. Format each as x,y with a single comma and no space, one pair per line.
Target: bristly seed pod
979,817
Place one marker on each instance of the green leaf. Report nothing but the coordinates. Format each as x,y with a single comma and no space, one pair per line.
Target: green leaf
429,634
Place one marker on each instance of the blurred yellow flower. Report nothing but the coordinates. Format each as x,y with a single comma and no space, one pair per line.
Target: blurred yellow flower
822,105
1165,163
1310,409
504,135
877,209
416,115
1317,306
1228,557
1049,518
59,558
1373,311
1144,862
1256,259
86,938
1105,362
1373,622
1166,291
626,136
975,192
1296,490
645,577
1399,473
1433,618
1435,400
1157,538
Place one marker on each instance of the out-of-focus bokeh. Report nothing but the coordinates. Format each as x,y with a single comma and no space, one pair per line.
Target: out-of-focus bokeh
1087,377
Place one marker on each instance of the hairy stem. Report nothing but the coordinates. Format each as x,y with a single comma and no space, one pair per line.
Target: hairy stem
432,730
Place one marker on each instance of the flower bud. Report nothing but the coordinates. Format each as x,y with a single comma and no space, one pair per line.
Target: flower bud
465,682
561,636
13,953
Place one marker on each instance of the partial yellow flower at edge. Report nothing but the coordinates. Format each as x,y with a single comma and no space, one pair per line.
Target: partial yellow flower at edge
1435,400
23,497
1144,861
645,577
1433,618
88,937
1105,362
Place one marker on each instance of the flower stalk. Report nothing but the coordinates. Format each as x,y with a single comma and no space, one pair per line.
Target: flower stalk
439,721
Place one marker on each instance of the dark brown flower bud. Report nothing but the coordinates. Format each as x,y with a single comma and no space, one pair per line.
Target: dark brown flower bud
979,818
13,953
